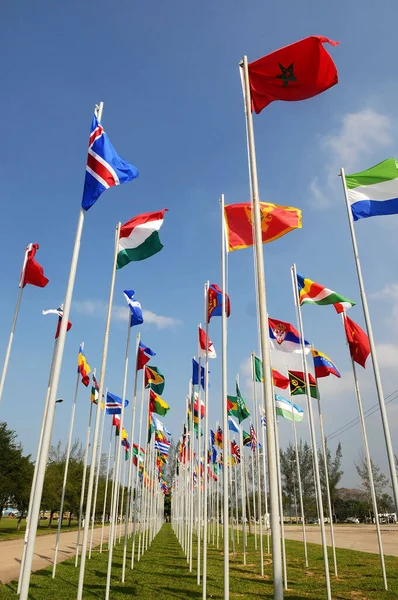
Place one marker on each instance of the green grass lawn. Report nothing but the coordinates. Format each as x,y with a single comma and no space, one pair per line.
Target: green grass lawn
9,531
163,573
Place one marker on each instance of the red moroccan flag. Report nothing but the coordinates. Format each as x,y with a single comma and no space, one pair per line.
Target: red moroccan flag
358,341
34,274
280,381
296,72
276,221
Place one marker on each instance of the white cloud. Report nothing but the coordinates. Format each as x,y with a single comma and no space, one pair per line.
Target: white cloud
98,309
387,355
359,138
390,294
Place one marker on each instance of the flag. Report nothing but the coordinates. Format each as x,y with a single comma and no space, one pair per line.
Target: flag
114,404
94,391
375,191
297,384
296,72
116,423
195,407
236,406
139,238
158,425
211,353
105,168
151,428
218,438
286,409
253,437
246,438
34,274
276,221
144,355
154,379
323,365
83,367
314,293
284,337
280,381
57,311
126,445
357,340
135,308
157,404
232,425
257,369
214,298
195,374
235,451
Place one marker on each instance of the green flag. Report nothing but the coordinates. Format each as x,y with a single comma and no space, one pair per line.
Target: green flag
246,438
154,379
258,370
237,406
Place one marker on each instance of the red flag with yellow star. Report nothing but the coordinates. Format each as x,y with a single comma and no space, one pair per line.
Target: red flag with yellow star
357,340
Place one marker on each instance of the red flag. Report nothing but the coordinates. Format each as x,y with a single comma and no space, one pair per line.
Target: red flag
59,327
211,353
280,381
357,340
296,72
34,274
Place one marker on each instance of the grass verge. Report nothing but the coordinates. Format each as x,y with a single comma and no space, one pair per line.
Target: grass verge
9,531
163,573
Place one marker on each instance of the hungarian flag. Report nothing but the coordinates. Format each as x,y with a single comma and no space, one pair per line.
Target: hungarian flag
298,386
276,221
296,72
139,238
34,274
206,342
358,341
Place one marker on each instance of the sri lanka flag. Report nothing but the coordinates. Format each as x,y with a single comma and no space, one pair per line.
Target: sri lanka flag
105,168
83,367
323,365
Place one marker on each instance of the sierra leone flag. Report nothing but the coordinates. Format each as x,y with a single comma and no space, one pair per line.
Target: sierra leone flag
374,191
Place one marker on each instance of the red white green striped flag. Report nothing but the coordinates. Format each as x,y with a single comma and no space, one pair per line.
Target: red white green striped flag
139,238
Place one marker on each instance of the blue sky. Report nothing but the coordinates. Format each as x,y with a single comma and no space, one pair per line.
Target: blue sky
168,75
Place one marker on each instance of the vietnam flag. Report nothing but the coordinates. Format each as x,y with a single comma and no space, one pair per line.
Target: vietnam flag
296,72
34,274
276,221
357,340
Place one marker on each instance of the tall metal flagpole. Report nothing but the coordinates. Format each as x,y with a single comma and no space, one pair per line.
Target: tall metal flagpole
51,404
83,490
14,321
205,443
138,488
376,371
117,468
224,404
93,512
130,473
106,487
266,520
97,420
370,470
278,462
198,487
69,446
318,489
265,349
255,416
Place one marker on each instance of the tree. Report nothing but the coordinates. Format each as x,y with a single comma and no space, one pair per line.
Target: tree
16,471
289,481
380,482
334,472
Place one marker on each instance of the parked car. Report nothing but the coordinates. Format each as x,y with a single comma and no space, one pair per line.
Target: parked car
352,520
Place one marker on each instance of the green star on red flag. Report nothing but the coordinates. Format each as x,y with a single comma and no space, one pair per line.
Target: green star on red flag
286,74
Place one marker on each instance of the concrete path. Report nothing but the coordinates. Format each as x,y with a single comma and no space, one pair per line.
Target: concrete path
355,537
11,551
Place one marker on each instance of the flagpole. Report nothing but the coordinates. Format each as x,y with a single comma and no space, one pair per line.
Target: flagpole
325,463
119,450
369,468
97,474
318,489
82,493
97,420
191,461
299,482
138,488
61,510
14,321
130,474
278,462
51,403
255,416
206,441
376,371
199,473
254,494
265,486
33,486
242,494
265,349
106,486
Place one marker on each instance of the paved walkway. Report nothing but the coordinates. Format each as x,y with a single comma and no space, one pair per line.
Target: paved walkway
11,551
355,537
